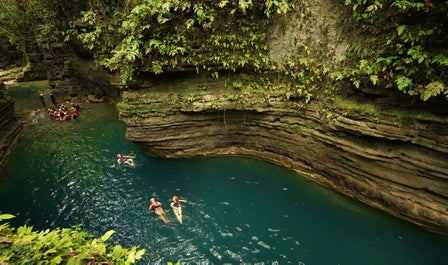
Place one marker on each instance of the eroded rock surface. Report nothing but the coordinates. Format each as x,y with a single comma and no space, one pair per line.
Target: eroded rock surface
10,128
394,160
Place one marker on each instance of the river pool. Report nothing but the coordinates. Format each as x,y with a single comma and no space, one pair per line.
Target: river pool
239,209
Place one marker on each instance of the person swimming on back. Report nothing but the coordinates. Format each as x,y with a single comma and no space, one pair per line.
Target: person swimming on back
125,159
176,201
156,206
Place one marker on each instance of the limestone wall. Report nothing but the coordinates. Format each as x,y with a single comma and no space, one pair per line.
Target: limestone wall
10,127
394,160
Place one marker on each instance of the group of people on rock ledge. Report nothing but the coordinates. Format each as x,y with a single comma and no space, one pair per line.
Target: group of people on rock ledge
58,111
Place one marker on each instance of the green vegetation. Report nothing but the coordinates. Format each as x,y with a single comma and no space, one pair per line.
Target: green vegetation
403,41
402,46
26,24
405,46
217,37
161,36
350,107
60,246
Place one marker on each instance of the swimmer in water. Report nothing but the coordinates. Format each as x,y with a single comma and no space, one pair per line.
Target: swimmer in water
125,159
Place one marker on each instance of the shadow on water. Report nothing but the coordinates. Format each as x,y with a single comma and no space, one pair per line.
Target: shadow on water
239,210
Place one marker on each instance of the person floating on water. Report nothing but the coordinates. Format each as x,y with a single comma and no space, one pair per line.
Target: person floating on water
176,201
156,206
41,98
125,159
177,209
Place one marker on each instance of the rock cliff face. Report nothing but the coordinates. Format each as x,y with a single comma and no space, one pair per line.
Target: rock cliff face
10,127
394,160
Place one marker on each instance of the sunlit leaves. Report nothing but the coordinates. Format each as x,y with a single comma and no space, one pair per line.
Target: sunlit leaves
159,35
440,59
157,67
189,23
223,3
61,246
400,29
6,216
403,82
408,55
432,89
406,5
374,79
107,235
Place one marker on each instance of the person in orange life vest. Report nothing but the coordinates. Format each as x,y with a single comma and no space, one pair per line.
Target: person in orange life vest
56,116
176,201
76,106
74,114
61,114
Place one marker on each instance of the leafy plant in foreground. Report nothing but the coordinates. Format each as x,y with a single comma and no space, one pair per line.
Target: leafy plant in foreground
60,246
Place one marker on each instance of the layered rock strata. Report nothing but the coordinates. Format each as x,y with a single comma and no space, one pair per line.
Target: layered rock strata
10,128
395,161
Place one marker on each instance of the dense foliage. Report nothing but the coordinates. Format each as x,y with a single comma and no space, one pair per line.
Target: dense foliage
159,36
60,246
405,47
403,42
23,23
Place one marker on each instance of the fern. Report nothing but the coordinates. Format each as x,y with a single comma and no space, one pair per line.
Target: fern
432,89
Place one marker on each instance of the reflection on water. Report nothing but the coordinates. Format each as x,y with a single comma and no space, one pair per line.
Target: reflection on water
239,210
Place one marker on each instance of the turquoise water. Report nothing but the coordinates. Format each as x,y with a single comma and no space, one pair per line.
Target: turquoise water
239,210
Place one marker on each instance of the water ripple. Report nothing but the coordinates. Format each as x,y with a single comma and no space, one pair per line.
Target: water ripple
239,210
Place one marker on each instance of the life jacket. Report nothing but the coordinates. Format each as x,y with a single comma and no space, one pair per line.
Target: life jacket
154,205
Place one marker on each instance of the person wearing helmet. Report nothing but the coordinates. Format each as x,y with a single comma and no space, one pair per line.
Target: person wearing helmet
156,206
53,99
177,209
42,99
176,201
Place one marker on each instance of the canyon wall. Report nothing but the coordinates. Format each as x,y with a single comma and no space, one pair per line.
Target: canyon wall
375,147
10,127
372,144
391,159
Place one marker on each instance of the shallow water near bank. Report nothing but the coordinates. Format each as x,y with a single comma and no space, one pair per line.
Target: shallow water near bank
239,210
